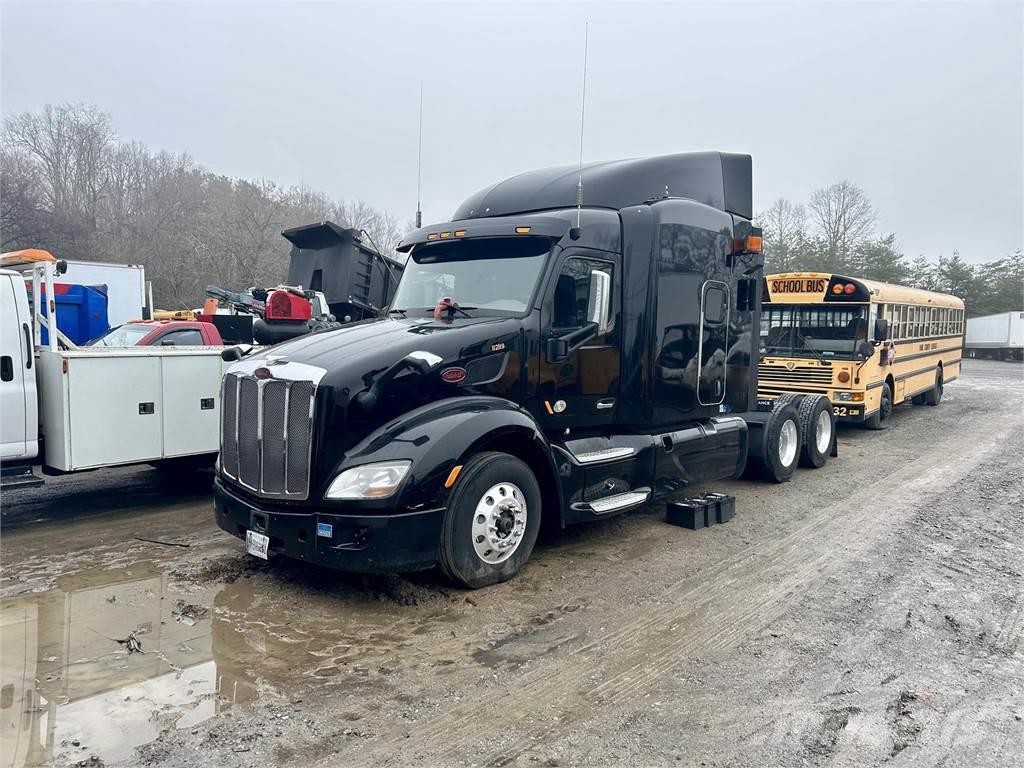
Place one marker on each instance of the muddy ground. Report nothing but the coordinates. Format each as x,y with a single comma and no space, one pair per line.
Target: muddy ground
868,612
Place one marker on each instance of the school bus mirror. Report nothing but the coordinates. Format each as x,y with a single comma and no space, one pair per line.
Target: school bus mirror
865,349
881,329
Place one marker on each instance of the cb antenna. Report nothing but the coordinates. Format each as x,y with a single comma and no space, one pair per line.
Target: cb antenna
583,116
419,164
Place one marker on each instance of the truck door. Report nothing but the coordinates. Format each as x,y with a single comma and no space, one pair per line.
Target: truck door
579,369
713,343
17,373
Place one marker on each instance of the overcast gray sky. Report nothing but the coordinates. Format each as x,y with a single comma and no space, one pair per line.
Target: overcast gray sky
918,103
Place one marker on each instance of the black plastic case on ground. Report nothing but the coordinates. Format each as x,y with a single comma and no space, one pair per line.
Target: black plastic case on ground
721,506
701,511
689,513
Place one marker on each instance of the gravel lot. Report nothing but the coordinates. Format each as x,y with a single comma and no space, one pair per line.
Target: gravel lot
868,612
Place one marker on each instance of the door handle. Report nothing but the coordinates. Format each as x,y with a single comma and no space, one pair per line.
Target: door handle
28,345
604,405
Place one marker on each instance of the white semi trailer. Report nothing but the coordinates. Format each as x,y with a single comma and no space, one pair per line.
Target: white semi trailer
996,336
76,409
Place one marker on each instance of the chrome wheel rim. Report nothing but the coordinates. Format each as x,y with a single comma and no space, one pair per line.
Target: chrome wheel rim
499,523
823,433
787,443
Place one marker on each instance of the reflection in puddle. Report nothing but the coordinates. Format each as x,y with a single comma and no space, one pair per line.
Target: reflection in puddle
69,689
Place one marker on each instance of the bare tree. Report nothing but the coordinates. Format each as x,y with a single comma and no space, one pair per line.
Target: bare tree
785,233
70,143
843,216
68,185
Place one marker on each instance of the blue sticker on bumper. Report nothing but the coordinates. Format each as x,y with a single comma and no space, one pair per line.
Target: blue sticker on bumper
325,529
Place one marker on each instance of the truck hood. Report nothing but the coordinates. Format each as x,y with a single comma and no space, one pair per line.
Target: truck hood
354,351
479,356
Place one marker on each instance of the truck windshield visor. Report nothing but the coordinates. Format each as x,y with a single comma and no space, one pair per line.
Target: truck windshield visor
813,331
493,276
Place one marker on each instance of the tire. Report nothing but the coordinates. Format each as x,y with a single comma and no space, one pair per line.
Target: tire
782,451
503,491
934,395
817,430
789,398
880,418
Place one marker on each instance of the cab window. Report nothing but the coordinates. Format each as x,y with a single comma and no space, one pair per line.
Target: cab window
184,338
572,297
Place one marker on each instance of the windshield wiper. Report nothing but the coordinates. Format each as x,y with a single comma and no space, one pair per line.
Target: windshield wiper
803,340
403,312
464,310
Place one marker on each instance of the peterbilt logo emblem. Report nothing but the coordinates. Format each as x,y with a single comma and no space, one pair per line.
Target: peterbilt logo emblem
790,365
453,375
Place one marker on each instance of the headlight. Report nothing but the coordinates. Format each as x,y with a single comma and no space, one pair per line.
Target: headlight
370,481
844,396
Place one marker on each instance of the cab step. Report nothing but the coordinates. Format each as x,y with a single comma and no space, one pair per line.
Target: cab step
616,503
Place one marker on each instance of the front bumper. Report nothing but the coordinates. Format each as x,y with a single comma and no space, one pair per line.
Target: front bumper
370,543
844,410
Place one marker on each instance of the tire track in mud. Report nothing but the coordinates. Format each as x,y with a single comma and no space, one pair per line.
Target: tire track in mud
706,614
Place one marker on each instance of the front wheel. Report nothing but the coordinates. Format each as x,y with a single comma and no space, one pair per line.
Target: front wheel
880,418
492,521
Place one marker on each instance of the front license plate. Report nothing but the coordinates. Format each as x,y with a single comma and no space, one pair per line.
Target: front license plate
257,544
845,411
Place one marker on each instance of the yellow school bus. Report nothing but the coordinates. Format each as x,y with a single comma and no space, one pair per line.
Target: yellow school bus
866,345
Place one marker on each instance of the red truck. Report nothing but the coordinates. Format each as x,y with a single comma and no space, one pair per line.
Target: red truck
156,333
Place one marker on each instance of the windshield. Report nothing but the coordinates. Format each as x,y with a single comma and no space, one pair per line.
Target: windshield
122,336
813,331
494,275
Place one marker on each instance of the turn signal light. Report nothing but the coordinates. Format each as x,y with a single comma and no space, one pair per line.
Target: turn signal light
837,289
858,397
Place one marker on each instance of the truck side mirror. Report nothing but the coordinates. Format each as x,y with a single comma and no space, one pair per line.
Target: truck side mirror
865,349
881,329
599,306
557,349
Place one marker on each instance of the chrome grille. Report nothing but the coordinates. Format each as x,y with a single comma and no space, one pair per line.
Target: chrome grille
299,441
266,434
801,374
228,427
275,394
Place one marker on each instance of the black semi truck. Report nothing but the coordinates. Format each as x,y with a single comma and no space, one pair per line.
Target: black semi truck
540,359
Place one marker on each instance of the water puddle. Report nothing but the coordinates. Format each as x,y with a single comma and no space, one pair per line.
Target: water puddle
110,658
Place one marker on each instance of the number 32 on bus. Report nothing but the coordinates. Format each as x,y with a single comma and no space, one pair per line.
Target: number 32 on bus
867,346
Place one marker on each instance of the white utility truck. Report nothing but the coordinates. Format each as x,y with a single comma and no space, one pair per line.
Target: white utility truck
997,336
75,409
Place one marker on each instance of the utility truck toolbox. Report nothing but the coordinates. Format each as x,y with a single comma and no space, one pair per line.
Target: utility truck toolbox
73,408
539,359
